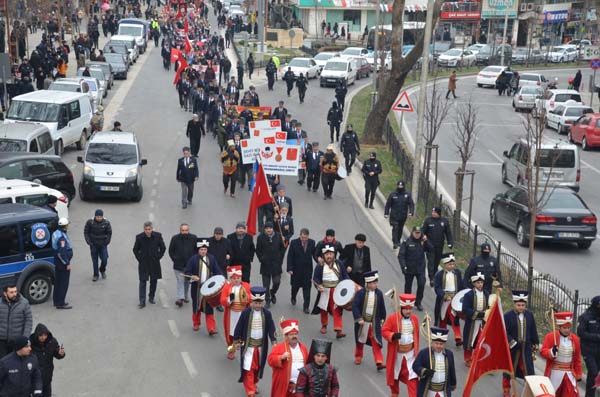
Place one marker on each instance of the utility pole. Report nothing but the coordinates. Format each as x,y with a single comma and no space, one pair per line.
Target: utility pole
504,37
375,54
261,25
422,100
8,43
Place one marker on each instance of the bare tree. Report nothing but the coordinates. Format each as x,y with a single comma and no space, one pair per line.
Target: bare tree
465,137
435,113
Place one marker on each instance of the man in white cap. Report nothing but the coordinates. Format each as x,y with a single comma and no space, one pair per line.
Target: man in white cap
329,164
437,378
286,359
447,283
235,297
475,303
230,159
63,253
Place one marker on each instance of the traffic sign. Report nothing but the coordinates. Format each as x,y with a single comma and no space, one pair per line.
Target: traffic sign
595,63
403,104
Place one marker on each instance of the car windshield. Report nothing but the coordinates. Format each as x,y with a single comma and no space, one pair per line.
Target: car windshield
126,43
131,30
557,49
55,86
492,69
335,66
567,97
577,112
111,153
323,57
453,53
33,111
560,199
352,51
530,77
92,85
114,58
13,145
531,90
299,63
557,158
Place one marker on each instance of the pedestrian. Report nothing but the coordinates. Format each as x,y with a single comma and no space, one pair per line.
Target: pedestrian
279,113
240,75
148,249
63,253
250,65
302,86
475,303
326,277
487,265
285,224
230,159
411,257
357,258
97,234
220,248
281,199
181,248
437,230
117,126
286,359
252,334
270,250
577,80
300,267
235,298
318,376
201,267
368,309
398,207
328,164
340,93
439,375
187,174
350,147
195,131
448,282
329,239
16,318
45,348
313,167
20,374
371,169
452,85
270,70
289,78
242,249
588,331
401,331
523,340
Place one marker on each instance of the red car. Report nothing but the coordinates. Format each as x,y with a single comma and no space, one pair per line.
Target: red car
586,130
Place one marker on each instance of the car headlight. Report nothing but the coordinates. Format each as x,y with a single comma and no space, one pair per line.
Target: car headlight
132,172
88,171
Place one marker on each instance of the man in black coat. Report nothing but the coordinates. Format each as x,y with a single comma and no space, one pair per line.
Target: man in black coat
371,169
46,348
334,119
328,240
412,263
300,266
313,168
149,248
487,265
350,147
195,131
398,207
98,233
20,372
589,333
242,249
340,93
302,85
289,78
270,251
279,113
220,248
181,248
437,230
281,198
187,174
357,259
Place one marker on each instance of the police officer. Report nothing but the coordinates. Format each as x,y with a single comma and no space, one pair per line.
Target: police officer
589,333
371,170
412,262
302,86
334,119
289,78
340,93
20,373
63,253
398,207
437,229
350,147
488,266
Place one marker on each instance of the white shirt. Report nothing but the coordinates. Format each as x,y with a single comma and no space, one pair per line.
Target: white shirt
522,324
203,270
236,290
370,303
565,350
406,337
256,331
329,274
450,282
440,368
479,300
297,362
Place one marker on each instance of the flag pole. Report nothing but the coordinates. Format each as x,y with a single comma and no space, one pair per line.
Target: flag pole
427,321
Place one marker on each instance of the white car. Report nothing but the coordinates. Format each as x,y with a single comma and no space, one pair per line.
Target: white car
96,90
563,116
525,98
26,192
489,75
563,53
371,60
475,48
553,98
352,52
307,66
457,57
322,57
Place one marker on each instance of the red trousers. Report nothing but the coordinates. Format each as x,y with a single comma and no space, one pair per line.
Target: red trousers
211,324
506,379
358,352
411,384
337,314
250,378
566,388
450,320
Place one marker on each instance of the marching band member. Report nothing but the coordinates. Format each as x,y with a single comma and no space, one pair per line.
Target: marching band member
200,268
326,277
437,378
286,359
475,303
401,331
252,332
368,309
318,377
235,297
447,283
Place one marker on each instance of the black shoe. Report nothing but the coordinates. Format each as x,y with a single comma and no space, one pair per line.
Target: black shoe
273,298
95,278
142,305
314,190
293,301
151,301
419,307
184,206
431,283
103,274
65,306
305,310
220,308
395,245
366,205
371,206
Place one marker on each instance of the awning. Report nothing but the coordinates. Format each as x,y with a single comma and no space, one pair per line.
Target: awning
409,6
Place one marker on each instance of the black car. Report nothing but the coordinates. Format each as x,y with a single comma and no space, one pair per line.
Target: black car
49,170
562,216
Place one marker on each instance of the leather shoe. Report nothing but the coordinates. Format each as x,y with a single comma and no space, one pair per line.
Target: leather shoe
103,274
323,330
339,335
293,301
152,301
371,206
420,307
179,302
380,366
65,306
212,332
95,278
306,311
431,283
142,305
273,298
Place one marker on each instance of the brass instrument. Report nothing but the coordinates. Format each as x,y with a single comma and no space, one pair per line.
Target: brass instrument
233,347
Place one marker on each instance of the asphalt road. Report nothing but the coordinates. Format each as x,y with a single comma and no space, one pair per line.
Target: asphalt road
500,126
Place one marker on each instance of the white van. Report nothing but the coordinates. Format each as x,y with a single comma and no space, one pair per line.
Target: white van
26,137
67,115
337,69
26,192
112,167
559,164
137,28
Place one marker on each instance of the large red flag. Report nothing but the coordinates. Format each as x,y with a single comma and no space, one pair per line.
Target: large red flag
188,45
260,195
492,353
186,26
182,65
175,54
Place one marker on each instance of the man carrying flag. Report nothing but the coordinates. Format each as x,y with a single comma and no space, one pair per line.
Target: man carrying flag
435,367
261,194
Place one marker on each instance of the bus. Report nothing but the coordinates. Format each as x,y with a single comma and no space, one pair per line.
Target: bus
411,30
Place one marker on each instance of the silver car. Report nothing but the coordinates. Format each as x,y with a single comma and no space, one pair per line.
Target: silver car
525,98
99,74
563,116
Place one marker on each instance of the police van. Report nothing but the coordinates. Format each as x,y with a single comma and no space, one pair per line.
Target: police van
26,254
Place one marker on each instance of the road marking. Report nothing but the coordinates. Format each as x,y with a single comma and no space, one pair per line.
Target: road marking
151,203
500,159
163,298
157,173
73,166
151,217
173,327
204,394
591,167
470,162
379,389
153,193
189,364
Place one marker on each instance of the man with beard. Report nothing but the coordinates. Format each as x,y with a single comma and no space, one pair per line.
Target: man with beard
235,298
318,377
242,249
286,359
17,319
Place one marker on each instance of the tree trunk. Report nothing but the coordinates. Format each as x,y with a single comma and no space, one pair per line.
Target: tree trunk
460,177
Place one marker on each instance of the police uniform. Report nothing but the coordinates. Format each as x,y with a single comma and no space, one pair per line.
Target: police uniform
20,374
63,253
398,207
589,333
437,230
488,266
372,165
350,147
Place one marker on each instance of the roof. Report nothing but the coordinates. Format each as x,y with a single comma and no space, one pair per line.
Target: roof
123,137
50,96
6,157
10,213
21,130
19,185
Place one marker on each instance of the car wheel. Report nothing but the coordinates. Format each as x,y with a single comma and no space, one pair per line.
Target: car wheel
493,217
584,245
82,195
504,177
584,144
80,144
479,85
138,197
560,129
521,239
37,288
60,148
570,137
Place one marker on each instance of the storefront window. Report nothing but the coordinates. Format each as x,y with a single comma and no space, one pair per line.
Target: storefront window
352,16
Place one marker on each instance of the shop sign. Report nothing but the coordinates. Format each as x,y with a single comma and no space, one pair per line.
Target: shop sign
499,9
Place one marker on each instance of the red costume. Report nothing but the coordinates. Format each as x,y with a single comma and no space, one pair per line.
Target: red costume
233,308
285,370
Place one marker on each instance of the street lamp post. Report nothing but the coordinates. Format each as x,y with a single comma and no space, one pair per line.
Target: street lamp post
375,50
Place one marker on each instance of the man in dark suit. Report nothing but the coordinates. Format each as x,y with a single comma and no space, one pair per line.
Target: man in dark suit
281,198
200,107
242,249
313,169
300,266
279,113
286,223
187,174
194,131
270,252
357,259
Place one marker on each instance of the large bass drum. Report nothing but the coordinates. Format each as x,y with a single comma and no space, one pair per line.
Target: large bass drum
457,301
344,294
211,290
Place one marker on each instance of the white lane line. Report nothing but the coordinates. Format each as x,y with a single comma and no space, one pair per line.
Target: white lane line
173,327
470,162
204,394
591,167
151,217
73,166
153,192
155,182
378,387
151,203
496,156
157,173
163,298
189,364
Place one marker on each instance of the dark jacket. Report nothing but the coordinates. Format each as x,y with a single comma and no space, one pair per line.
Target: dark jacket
359,307
399,204
335,115
488,266
242,250
242,333
300,262
220,249
348,255
349,143
412,255
439,284
194,129
279,114
301,83
313,162
97,233
15,318
20,376
321,244
436,230
341,90
148,251
289,223
181,248
45,352
523,351
270,252
187,174
589,330
422,363
287,200
374,166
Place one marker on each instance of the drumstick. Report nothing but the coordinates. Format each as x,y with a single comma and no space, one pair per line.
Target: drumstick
185,275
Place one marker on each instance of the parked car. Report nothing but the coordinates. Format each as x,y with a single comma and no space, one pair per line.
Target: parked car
489,75
119,48
525,98
48,170
583,43
562,116
129,42
106,69
586,131
492,55
322,57
303,65
475,48
563,216
436,48
119,64
553,98
563,53
99,75
337,69
535,79
371,60
96,90
352,52
457,58
363,69
73,84
25,192
26,137
522,55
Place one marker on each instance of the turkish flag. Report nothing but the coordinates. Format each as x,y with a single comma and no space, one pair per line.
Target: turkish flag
270,140
260,195
186,26
175,54
492,352
188,45
182,65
